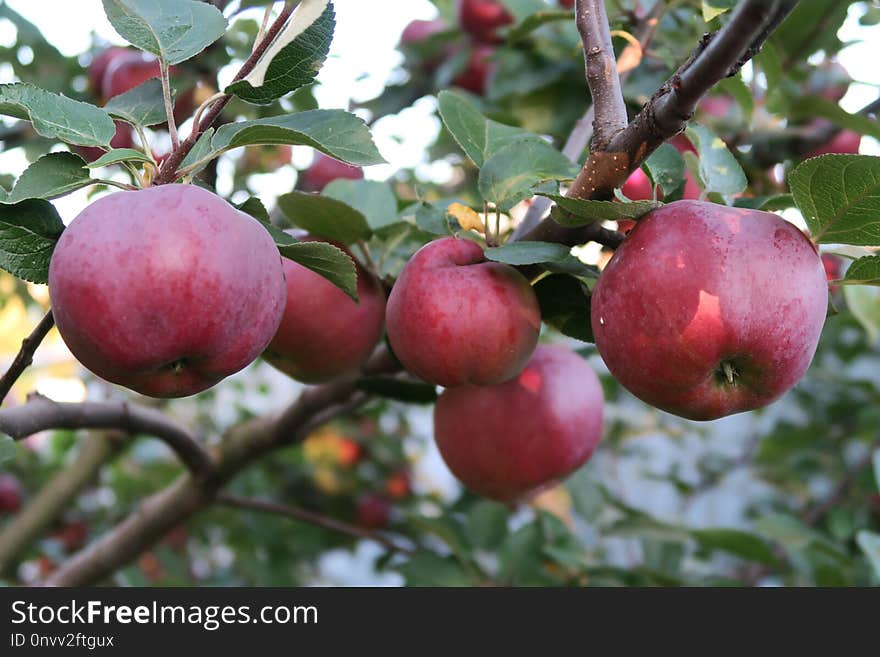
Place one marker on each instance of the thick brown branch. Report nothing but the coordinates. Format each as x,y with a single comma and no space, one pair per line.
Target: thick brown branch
242,445
304,515
41,413
25,355
667,112
601,68
168,171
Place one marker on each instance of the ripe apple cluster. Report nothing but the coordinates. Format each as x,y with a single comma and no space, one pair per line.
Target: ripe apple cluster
513,418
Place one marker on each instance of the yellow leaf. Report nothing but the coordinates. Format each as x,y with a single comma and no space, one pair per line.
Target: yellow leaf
557,501
466,217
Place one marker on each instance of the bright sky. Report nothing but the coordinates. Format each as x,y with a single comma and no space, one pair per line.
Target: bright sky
362,58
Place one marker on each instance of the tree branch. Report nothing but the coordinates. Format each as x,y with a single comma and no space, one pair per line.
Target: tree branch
241,445
56,496
669,109
25,355
304,515
40,413
601,70
168,170
583,130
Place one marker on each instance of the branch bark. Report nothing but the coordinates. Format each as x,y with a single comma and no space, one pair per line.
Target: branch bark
241,445
601,68
25,356
40,413
667,112
304,515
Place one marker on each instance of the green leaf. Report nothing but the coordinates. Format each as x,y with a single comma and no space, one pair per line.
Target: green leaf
324,217
374,199
565,305
28,233
57,117
337,133
712,9
522,557
795,536
719,170
486,524
294,58
870,544
839,196
480,138
173,30
325,260
408,392
586,493
428,569
739,543
666,168
200,152
811,107
432,219
508,176
580,213
116,156
527,253
864,303
143,105
864,271
535,21
741,93
255,208
7,448
53,175
768,203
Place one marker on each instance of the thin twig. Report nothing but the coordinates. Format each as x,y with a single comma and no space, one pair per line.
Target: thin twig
317,519
25,355
40,413
168,170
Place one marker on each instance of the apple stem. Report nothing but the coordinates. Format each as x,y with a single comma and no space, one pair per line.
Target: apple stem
169,107
729,372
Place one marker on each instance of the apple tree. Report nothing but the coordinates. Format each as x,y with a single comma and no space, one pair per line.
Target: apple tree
620,326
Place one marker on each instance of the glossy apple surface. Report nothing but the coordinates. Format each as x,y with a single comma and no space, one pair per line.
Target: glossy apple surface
509,441
325,170
324,333
707,310
454,317
166,290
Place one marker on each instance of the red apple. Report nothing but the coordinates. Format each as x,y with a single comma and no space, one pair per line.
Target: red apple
372,511
477,71
454,317
568,4
127,71
323,332
166,290
638,187
509,441
99,65
482,18
124,138
72,535
716,107
833,265
844,142
829,80
10,494
325,170
398,486
419,30
707,310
